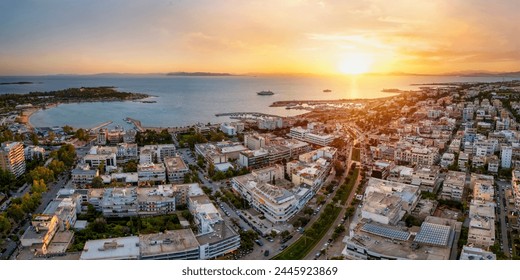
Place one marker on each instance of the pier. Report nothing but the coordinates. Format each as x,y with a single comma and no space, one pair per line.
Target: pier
247,115
101,125
136,123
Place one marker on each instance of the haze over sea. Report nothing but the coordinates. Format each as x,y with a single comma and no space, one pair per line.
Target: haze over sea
184,100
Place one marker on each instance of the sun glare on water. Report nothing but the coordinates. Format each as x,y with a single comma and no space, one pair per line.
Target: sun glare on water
355,64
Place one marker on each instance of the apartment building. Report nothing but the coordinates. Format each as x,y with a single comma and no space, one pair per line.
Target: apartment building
12,158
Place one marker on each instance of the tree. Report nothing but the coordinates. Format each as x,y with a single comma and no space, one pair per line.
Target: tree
41,172
308,211
7,181
67,154
34,138
200,161
39,186
187,215
338,167
297,224
15,212
68,129
187,178
5,224
211,169
57,166
101,168
97,182
81,134
130,166
99,225
51,137
28,203
338,143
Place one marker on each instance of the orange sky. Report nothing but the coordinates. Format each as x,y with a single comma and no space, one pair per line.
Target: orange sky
237,36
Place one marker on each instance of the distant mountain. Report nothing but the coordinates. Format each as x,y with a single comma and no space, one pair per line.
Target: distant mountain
198,74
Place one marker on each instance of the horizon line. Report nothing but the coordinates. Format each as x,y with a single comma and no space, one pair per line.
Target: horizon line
223,74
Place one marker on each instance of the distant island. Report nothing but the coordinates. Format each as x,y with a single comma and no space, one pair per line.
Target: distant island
16,83
10,102
198,74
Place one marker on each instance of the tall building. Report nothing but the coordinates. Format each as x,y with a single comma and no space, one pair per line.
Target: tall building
506,153
12,158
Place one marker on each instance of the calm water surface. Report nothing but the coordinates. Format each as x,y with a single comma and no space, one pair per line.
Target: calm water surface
188,100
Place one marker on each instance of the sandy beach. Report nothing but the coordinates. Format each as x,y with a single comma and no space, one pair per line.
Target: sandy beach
25,116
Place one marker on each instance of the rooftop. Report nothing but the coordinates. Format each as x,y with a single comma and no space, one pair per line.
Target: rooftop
377,240
168,242
471,253
159,193
113,248
434,234
220,232
175,163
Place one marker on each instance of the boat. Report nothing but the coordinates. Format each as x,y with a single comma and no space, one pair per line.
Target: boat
327,90
265,92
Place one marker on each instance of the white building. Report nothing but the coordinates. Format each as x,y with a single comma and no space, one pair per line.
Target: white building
481,231
170,245
228,129
277,203
159,200
176,169
506,154
387,202
122,248
472,253
270,123
102,155
151,173
417,155
369,240
204,212
453,187
254,141
427,178
221,152
309,136
447,159
34,152
83,175
40,232
156,153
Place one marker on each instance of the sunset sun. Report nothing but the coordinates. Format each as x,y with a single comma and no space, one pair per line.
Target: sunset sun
355,64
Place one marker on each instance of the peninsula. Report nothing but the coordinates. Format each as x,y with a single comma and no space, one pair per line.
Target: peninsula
10,102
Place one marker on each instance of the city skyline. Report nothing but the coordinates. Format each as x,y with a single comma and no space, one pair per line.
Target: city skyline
317,37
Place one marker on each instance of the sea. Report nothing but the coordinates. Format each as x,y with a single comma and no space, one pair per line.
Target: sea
182,100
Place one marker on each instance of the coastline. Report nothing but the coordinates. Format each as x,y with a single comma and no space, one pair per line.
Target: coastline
25,117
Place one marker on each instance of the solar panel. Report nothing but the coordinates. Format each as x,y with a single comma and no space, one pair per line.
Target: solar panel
433,234
386,232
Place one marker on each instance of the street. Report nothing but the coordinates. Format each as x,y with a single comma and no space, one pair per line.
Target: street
502,215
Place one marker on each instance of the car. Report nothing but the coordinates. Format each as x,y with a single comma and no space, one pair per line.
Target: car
266,253
270,239
259,242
